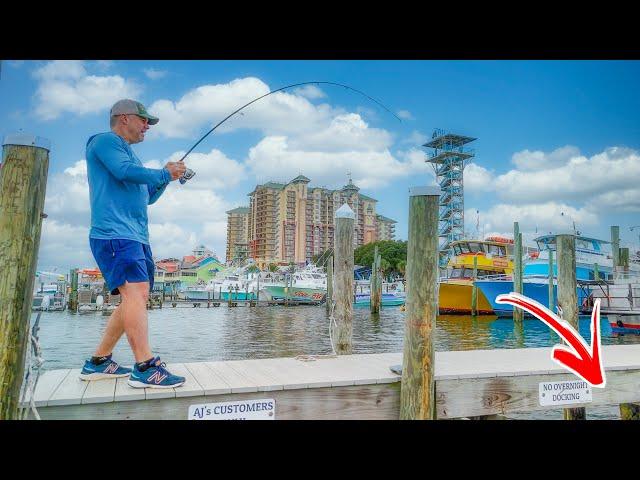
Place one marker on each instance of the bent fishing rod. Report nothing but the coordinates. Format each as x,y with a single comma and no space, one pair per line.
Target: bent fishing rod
188,174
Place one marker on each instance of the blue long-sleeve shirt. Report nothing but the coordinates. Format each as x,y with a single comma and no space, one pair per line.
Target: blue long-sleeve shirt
120,188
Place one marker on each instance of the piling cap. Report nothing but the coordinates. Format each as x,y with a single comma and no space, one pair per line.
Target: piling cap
417,191
345,212
27,140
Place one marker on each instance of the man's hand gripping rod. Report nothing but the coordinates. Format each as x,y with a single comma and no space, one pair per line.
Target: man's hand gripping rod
187,175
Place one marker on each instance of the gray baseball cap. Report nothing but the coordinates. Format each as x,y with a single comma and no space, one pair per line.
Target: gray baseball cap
126,106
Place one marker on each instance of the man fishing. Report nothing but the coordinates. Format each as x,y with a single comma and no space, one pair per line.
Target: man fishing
120,188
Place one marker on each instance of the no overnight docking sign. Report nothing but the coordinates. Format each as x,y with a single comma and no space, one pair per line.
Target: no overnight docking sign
564,393
258,409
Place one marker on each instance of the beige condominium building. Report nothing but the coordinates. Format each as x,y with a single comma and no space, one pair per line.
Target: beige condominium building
237,234
292,222
386,228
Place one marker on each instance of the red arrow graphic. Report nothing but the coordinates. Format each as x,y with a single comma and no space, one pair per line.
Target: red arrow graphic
583,360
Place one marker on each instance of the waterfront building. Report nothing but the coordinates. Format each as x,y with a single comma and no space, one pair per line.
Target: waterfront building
292,222
385,228
192,269
237,235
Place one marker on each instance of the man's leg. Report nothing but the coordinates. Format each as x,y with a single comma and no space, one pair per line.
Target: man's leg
134,318
113,332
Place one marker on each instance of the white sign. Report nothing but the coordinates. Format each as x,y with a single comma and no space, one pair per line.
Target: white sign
564,393
259,409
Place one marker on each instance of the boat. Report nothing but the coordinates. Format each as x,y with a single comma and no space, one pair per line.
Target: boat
591,257
302,286
393,294
455,290
50,297
624,323
199,291
619,301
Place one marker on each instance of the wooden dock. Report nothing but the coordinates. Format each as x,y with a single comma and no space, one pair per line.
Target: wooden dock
468,384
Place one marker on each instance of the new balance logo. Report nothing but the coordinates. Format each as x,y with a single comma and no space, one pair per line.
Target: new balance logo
156,377
111,368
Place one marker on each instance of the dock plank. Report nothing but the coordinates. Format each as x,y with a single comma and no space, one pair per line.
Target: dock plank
48,382
191,387
238,383
124,392
468,383
70,390
211,383
100,391
251,369
288,373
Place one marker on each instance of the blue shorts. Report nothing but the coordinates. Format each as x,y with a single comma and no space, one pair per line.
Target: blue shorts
123,261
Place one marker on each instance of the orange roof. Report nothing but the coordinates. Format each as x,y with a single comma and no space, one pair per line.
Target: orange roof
169,267
188,259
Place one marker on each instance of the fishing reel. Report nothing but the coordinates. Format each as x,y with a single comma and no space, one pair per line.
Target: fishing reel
187,175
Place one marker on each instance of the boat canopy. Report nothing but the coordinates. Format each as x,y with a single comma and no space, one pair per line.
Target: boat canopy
548,242
498,249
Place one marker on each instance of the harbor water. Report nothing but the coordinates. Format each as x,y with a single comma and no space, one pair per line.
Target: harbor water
186,334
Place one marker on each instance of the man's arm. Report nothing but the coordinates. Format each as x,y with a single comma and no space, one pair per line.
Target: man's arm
156,192
116,159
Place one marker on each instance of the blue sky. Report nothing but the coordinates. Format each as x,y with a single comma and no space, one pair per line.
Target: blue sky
552,136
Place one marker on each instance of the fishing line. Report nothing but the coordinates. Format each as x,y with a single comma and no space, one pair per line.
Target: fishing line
188,174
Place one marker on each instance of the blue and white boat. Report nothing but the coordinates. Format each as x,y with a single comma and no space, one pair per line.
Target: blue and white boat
535,277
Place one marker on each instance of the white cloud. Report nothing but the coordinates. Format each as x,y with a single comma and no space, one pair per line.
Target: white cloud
213,170
64,245
65,86
347,132
209,104
416,138
154,74
545,217
536,160
67,197
60,70
617,200
169,240
310,91
214,234
370,169
185,206
477,179
405,115
580,178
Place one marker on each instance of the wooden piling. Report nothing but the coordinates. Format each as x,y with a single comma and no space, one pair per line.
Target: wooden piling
417,395
25,163
287,279
596,272
568,296
258,290
624,260
517,269
551,299
628,411
342,328
374,295
474,289
73,295
379,281
329,301
615,247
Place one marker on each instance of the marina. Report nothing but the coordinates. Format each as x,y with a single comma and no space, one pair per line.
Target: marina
341,378
233,335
